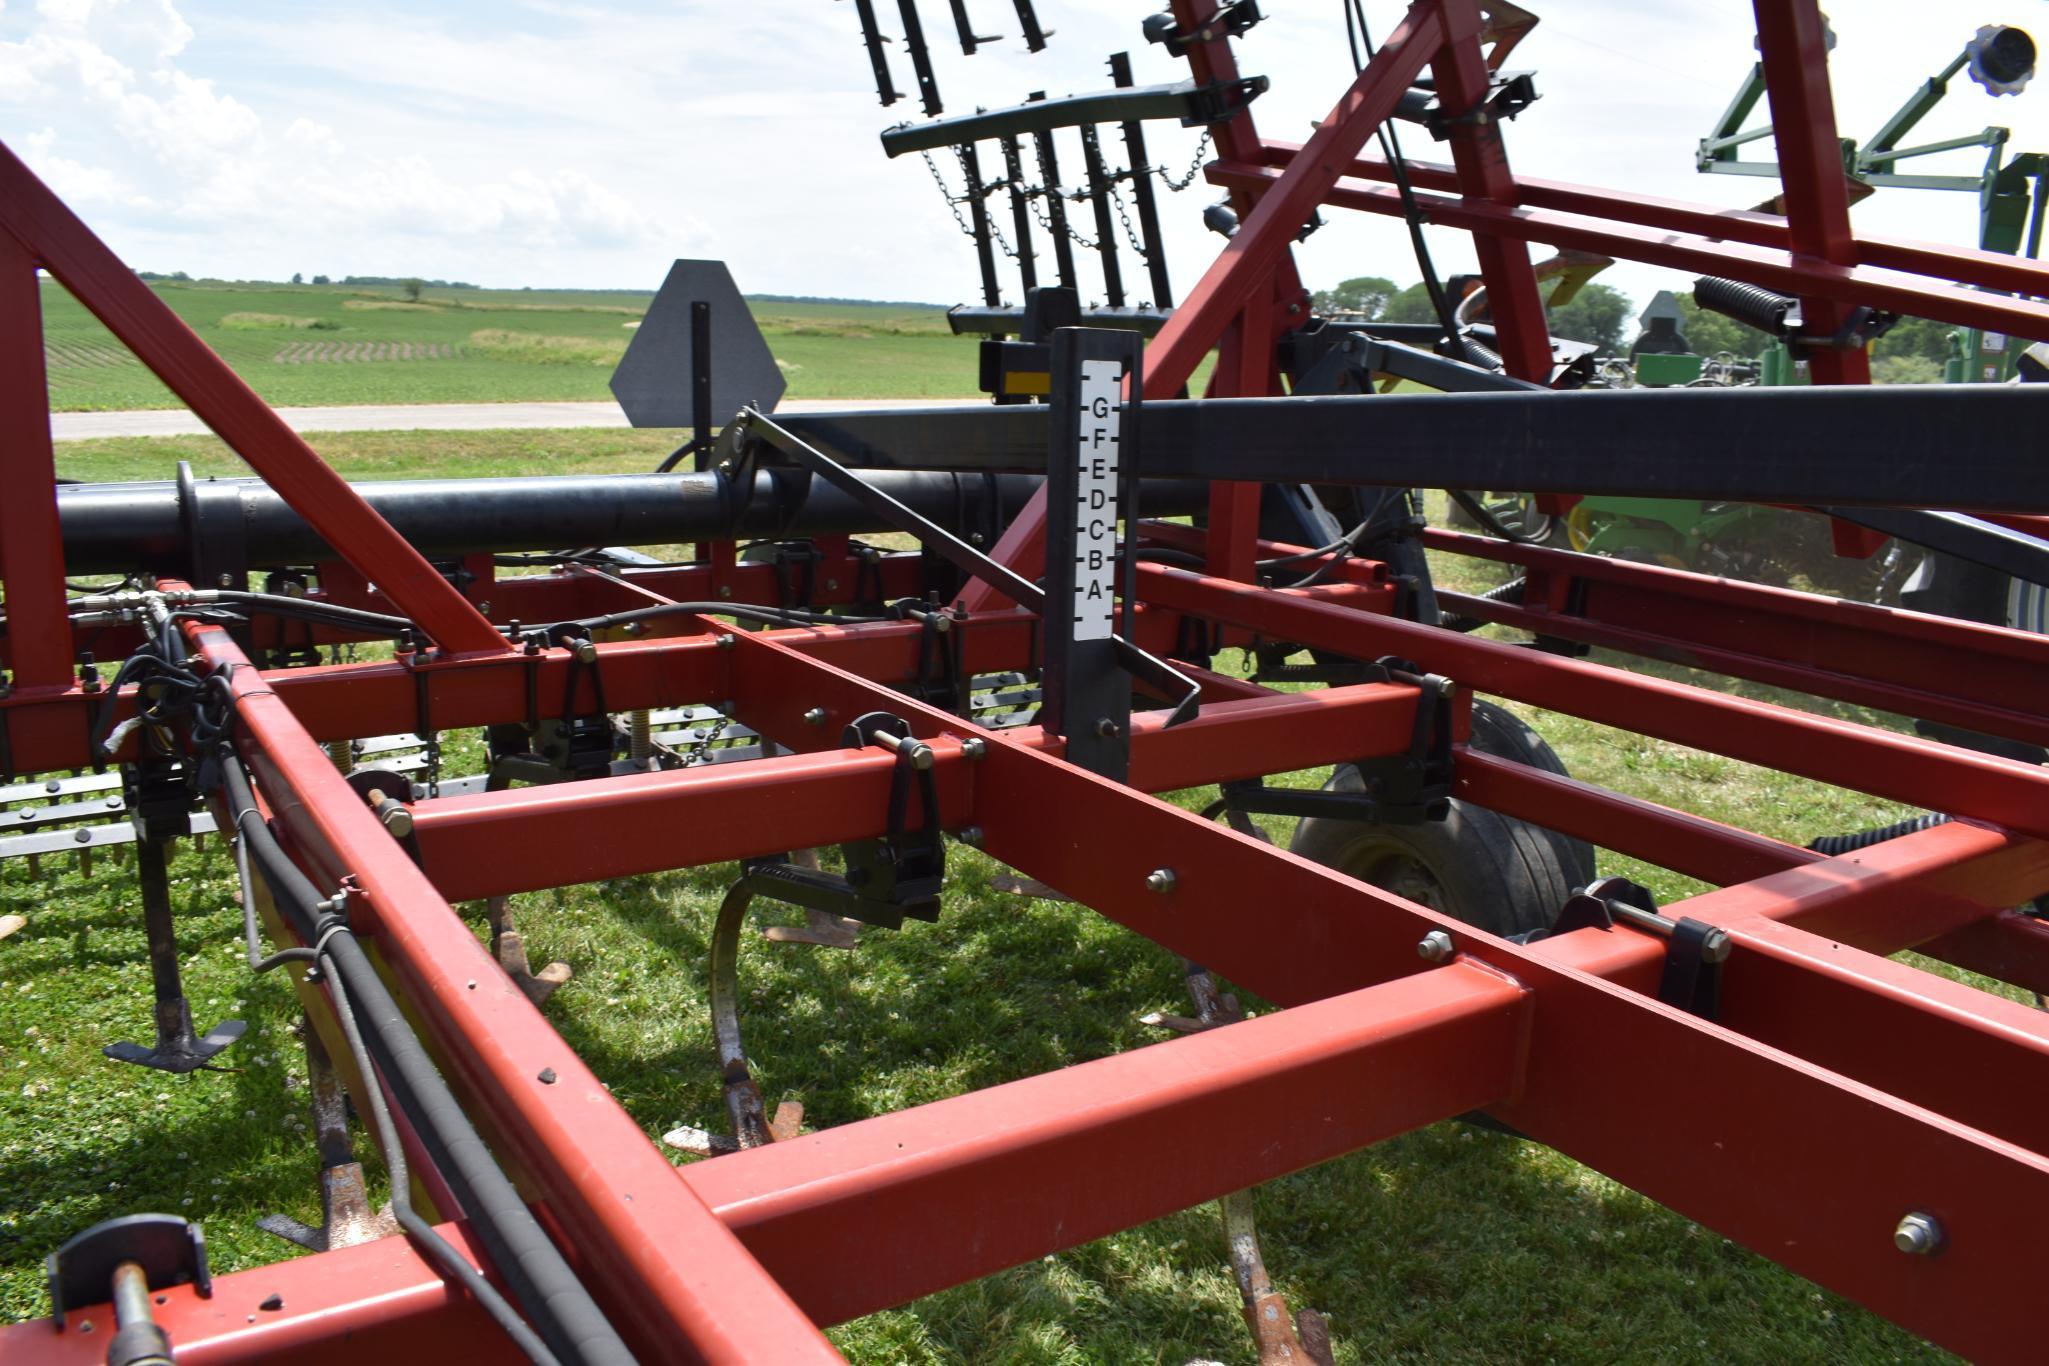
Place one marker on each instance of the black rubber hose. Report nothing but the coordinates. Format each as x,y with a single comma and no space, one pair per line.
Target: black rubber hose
1747,304
562,1310
1834,845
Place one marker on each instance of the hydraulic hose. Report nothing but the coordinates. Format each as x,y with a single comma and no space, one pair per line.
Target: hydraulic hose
570,1322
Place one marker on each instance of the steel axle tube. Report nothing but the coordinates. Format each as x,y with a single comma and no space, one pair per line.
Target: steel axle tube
123,528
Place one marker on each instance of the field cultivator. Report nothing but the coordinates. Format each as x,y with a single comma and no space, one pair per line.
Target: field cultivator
1020,683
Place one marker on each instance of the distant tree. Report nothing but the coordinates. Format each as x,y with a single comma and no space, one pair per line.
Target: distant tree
1365,295
297,278
1906,370
412,289
1411,305
1598,314
1710,334
1922,337
322,280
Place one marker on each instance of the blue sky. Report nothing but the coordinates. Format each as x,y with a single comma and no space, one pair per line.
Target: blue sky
550,143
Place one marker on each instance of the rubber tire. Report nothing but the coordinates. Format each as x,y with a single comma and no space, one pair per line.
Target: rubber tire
1491,871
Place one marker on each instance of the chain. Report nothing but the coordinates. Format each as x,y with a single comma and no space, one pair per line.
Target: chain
1124,216
954,201
1194,167
701,748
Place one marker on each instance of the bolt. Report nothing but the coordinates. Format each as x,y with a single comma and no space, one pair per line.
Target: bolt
1107,728
726,468
226,580
397,820
1918,1234
974,538
1715,946
485,606
1446,688
725,590
586,651
815,717
832,585
921,757
636,628
974,747
1160,880
970,835
729,641
547,1077
1437,947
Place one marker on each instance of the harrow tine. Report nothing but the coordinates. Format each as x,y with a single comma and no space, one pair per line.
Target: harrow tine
1281,1338
509,948
346,1218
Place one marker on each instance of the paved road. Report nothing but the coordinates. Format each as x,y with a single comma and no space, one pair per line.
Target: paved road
406,417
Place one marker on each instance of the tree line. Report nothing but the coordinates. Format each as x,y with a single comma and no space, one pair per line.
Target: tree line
1911,353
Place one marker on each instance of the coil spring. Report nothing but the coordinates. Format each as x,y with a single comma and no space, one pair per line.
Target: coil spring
1834,845
1747,304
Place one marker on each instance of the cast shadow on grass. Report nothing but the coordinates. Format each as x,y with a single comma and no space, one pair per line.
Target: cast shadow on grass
1000,988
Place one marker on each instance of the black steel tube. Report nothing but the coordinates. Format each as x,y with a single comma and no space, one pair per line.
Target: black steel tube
1020,216
1906,445
1142,190
978,214
136,527
1056,207
1106,233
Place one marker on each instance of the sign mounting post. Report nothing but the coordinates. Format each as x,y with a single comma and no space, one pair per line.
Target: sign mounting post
1095,404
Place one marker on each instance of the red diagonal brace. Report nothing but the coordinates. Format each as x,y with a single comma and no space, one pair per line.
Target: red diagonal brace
31,550
53,235
1791,39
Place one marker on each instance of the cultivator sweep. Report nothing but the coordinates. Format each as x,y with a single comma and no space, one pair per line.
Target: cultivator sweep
1437,942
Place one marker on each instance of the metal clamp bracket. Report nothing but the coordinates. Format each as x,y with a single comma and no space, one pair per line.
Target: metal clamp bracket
1230,21
1396,789
1694,952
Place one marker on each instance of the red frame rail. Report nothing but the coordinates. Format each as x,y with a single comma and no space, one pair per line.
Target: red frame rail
742,1257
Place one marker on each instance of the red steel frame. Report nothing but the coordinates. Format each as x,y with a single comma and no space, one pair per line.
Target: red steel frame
1905,1091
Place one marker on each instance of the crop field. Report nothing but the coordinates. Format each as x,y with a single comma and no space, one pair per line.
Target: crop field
1453,1243
338,344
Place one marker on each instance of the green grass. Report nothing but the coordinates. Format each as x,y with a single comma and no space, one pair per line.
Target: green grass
1449,1244
503,345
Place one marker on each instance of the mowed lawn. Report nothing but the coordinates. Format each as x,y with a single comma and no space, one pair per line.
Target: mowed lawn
1450,1244
339,344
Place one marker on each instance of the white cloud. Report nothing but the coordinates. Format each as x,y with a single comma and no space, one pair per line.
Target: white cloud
156,153
587,142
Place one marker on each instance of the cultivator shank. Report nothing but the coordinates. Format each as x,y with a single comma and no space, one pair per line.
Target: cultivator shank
1750,1056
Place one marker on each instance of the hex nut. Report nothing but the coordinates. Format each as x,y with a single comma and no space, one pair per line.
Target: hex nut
1161,880
1436,947
1918,1235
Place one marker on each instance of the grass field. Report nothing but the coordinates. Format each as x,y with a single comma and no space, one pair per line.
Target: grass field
1450,1244
337,344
